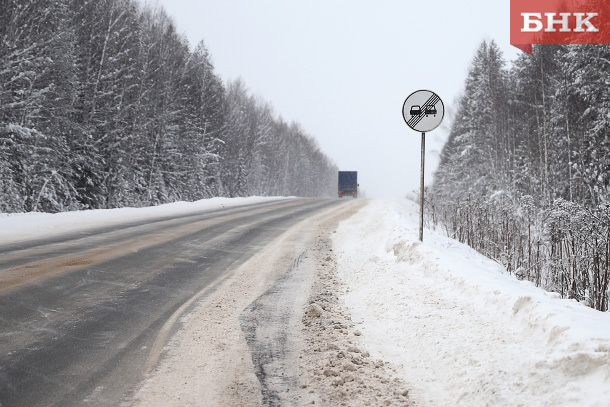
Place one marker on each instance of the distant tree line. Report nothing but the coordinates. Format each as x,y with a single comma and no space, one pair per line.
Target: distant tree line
103,104
525,174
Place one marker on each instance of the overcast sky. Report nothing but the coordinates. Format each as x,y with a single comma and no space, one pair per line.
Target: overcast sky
344,68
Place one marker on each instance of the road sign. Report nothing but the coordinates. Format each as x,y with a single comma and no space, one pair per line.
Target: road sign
423,111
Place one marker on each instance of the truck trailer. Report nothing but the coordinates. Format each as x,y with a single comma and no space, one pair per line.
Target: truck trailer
348,183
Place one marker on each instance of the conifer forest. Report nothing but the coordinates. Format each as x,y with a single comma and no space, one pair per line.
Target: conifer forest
104,104
525,174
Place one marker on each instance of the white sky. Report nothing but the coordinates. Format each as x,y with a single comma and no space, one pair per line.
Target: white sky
343,68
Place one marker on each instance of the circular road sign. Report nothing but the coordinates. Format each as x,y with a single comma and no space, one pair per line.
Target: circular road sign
423,111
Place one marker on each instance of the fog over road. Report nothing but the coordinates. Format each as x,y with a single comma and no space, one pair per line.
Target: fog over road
84,317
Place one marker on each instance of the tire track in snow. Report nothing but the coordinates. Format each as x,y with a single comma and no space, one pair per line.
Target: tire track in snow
267,322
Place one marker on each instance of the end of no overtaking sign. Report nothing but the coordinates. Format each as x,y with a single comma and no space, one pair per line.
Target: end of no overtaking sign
423,111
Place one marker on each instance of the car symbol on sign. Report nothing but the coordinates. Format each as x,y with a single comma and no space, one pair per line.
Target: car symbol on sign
430,110
415,110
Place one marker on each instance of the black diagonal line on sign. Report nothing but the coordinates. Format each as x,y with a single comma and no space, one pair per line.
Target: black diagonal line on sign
433,100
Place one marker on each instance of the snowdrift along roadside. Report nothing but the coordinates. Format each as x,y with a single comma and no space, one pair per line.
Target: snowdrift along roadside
462,331
17,227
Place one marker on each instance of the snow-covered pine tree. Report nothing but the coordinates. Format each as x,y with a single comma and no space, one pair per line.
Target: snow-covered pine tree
107,35
474,159
589,98
36,120
202,125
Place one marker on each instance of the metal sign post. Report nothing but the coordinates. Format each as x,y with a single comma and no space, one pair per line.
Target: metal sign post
423,111
421,188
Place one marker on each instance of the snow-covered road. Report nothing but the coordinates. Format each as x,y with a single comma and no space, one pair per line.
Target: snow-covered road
384,319
86,311
461,330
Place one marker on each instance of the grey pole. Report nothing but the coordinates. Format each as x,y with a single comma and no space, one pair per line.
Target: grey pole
421,188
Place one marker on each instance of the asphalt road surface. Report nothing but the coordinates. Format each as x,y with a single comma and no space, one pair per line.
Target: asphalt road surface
82,316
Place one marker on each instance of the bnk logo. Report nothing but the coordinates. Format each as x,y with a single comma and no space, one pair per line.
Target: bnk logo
557,22
532,22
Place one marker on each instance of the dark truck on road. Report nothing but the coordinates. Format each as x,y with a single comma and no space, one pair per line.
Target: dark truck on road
348,183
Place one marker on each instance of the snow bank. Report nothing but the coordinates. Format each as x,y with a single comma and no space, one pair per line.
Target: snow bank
463,331
34,225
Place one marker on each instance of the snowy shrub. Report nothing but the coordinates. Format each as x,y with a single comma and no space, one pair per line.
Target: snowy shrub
565,249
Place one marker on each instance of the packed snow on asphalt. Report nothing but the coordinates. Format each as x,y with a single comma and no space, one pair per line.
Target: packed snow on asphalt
425,324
